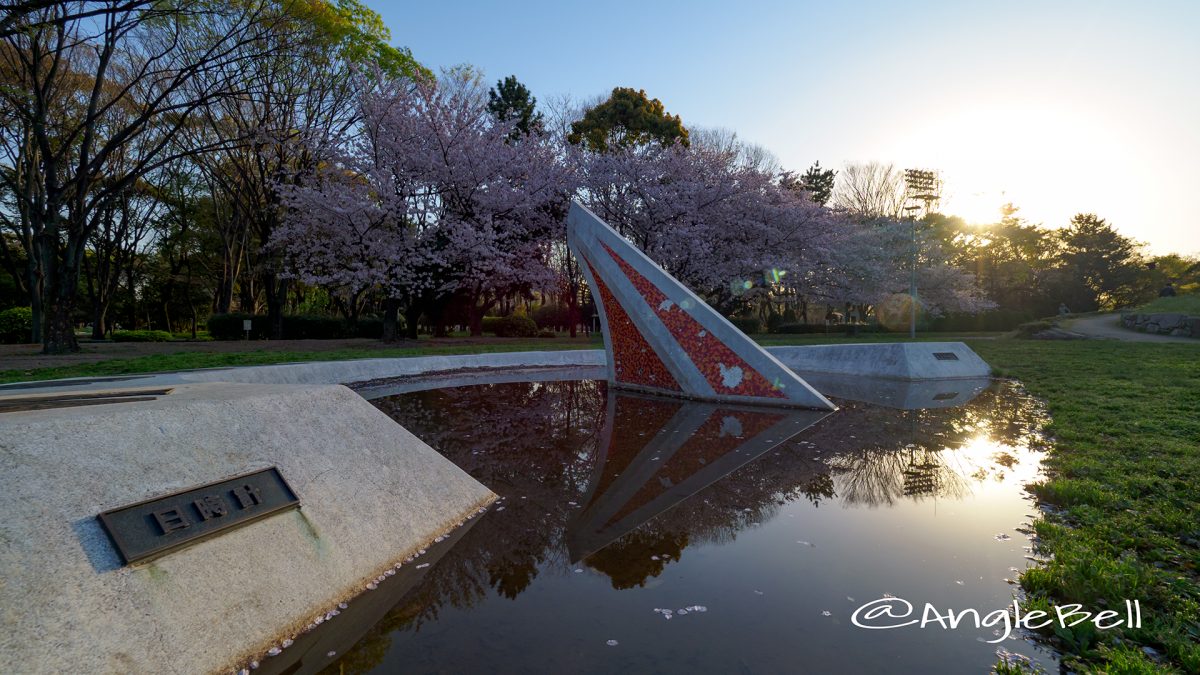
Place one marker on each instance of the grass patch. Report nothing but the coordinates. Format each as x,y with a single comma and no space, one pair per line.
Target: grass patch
1180,304
159,363
1125,472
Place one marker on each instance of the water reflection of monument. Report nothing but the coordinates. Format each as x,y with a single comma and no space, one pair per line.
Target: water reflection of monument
655,452
595,478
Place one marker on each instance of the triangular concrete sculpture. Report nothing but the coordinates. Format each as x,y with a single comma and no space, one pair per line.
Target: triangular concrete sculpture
662,338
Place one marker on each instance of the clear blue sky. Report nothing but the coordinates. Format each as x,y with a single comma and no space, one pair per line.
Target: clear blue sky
1059,107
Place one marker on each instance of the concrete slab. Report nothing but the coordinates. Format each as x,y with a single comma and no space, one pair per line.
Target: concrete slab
323,372
895,360
899,394
371,494
901,361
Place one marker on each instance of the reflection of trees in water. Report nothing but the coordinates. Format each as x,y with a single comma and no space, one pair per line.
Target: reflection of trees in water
881,477
878,457
533,443
536,445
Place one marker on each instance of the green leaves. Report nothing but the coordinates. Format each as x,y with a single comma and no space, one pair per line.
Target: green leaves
628,118
357,35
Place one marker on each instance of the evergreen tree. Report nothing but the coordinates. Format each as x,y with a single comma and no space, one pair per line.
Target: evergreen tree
511,100
627,118
817,182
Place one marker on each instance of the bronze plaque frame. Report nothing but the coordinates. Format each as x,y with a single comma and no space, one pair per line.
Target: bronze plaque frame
160,525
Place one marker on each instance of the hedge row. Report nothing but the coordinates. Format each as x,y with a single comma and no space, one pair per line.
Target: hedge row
747,324
510,326
141,336
811,328
995,320
553,317
300,327
16,326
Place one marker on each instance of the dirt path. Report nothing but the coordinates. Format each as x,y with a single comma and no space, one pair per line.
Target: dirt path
1108,326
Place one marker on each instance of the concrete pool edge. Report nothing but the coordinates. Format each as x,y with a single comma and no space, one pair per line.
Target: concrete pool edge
899,360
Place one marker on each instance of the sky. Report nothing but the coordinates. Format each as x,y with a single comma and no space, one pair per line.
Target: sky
1057,107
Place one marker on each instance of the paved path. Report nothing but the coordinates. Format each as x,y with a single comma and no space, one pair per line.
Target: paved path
1108,326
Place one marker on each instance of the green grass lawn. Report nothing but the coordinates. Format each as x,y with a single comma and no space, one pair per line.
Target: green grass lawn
1124,475
160,363
1125,472
1180,304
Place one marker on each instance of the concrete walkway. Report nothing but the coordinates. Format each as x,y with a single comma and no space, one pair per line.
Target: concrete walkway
1108,326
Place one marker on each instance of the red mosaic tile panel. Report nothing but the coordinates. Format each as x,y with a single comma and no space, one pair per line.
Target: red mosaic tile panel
721,366
631,416
634,360
722,433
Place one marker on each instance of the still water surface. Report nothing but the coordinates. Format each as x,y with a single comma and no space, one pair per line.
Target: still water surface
647,535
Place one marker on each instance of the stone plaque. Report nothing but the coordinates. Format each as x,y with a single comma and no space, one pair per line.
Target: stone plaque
156,526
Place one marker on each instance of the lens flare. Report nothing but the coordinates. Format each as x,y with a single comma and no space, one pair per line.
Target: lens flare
895,312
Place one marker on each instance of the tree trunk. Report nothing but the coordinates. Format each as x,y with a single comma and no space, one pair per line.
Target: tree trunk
35,305
61,291
224,292
276,298
60,325
391,312
573,308
475,314
99,319
411,316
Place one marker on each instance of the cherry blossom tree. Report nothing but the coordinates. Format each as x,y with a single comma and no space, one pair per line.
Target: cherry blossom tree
721,225
733,231
434,200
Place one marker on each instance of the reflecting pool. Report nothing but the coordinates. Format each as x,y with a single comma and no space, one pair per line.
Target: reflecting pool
641,534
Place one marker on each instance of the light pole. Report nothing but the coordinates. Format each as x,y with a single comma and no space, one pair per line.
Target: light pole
912,285
924,187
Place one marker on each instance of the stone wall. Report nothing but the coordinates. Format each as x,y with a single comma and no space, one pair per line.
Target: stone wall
1179,325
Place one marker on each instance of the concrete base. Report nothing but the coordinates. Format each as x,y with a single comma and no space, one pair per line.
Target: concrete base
899,394
901,361
897,360
322,372
371,494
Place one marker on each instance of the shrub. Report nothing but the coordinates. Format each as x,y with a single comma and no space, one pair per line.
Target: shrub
552,316
229,326
142,336
776,320
297,327
746,324
547,334
490,323
16,325
805,328
372,327
995,320
514,326
307,327
1026,330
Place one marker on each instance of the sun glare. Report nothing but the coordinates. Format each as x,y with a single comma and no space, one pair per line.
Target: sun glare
1044,157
